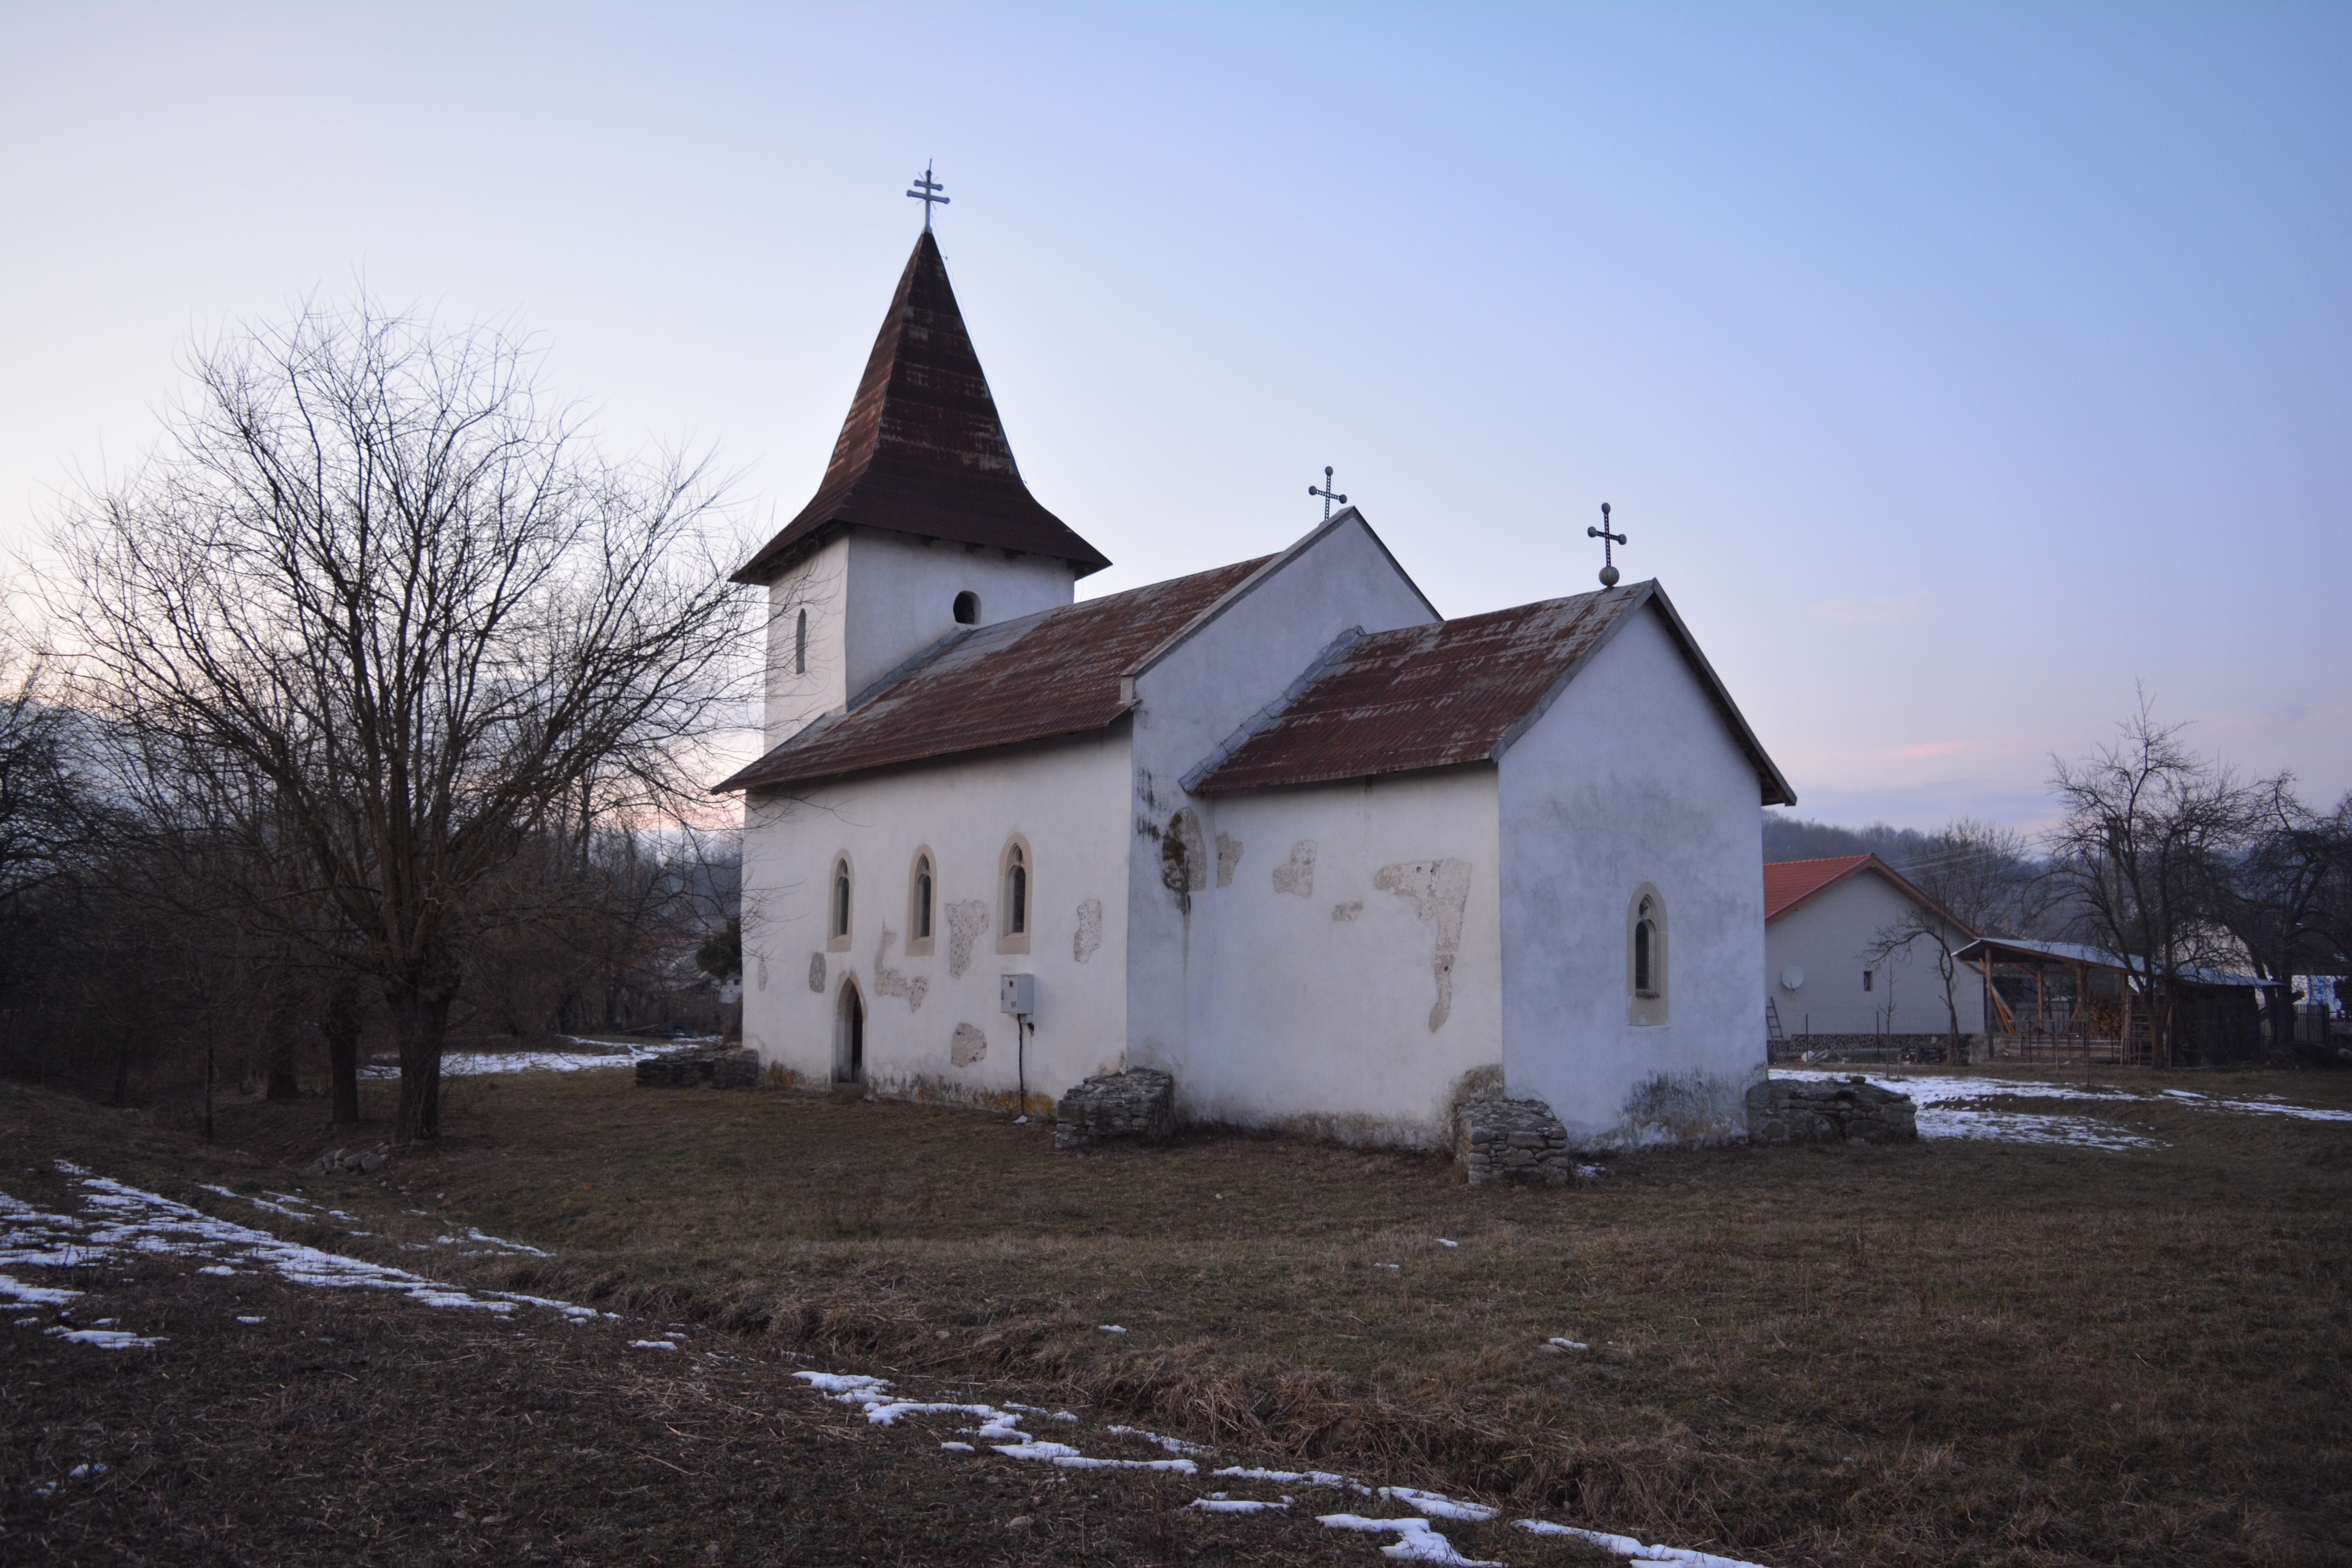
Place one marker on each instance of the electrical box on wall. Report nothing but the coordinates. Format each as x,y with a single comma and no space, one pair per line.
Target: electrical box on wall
1017,995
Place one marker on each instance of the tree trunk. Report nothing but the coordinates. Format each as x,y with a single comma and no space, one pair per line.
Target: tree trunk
421,1017
283,1083
341,1027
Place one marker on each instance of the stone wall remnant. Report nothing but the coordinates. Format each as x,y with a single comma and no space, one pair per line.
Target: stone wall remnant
1806,1110
967,1046
1137,1103
1500,1140
888,982
688,1069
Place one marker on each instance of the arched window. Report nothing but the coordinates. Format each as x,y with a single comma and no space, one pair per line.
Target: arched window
837,912
922,898
1645,957
967,609
800,645
1017,894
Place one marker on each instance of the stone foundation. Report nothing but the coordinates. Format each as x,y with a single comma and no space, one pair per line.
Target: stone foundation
689,1069
1802,1111
1510,1139
1875,1048
1137,1103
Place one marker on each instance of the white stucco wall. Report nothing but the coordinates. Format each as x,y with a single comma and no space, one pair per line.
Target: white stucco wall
1826,937
1067,798
874,599
1188,703
1324,976
1632,778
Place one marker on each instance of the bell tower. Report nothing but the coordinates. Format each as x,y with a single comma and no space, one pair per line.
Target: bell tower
922,525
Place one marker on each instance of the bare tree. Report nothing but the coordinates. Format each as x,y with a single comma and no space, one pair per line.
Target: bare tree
369,569
2146,819
1983,880
2278,895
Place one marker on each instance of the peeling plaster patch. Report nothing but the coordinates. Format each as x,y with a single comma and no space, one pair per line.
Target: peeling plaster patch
1348,911
969,1045
1297,875
1089,933
967,923
1229,858
1440,889
764,974
1683,1108
816,973
1183,856
889,982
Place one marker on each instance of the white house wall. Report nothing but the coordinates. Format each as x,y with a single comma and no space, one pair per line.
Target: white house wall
1192,701
1826,937
904,590
1068,799
1355,971
1632,778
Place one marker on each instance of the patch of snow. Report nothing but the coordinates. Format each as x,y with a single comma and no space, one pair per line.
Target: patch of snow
840,1383
1112,1329
1591,1172
1443,1242
651,1345
221,1269
1069,1458
252,1320
107,1339
257,1203
1173,1445
470,1064
34,1295
1304,1478
959,1447
1437,1505
1218,1502
78,1471
1416,1541
1568,1344
1626,1546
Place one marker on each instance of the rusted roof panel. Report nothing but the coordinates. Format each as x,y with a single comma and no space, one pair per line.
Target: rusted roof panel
922,451
1425,697
1056,673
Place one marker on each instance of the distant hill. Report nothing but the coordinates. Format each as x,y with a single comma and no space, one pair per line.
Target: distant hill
1790,838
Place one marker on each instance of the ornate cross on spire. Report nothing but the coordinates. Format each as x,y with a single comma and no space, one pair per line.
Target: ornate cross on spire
1608,567
927,191
1328,493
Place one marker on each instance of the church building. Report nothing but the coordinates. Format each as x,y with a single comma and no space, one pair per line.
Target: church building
1277,828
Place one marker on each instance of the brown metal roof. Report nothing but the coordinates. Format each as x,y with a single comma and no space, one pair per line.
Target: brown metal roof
1788,883
922,451
1447,693
1057,673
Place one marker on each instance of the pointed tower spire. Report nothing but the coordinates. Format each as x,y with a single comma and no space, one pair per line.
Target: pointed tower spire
922,452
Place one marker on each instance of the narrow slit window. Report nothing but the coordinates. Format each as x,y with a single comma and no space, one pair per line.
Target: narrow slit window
922,922
1646,941
841,898
1868,980
800,645
1016,892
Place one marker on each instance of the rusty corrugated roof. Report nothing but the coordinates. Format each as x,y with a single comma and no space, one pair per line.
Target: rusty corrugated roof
922,451
1450,692
1056,673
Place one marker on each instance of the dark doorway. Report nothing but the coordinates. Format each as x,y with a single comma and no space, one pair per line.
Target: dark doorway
849,1037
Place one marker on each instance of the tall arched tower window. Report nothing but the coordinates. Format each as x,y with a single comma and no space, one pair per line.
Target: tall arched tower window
837,912
1645,957
800,645
1016,896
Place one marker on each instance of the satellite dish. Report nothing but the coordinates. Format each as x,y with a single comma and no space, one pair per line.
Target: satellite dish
1793,979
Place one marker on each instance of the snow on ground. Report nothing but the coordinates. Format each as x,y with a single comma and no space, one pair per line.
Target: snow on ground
1954,1108
118,1221
591,1054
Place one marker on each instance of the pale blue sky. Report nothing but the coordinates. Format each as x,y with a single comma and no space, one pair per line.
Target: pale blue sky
1953,368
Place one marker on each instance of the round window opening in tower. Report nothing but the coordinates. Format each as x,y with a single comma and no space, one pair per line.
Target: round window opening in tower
967,609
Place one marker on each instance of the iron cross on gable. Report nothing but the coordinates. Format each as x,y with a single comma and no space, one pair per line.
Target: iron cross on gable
1608,567
1328,493
927,191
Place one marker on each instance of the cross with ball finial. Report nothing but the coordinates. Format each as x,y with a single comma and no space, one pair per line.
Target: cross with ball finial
1328,493
1608,567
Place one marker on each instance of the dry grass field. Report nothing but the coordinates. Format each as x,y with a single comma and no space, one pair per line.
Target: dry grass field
1957,1352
